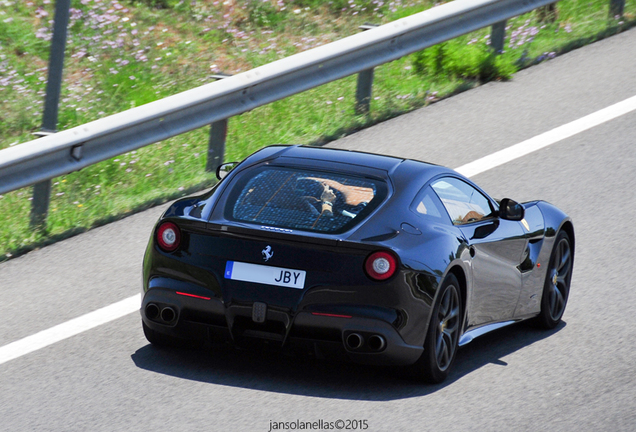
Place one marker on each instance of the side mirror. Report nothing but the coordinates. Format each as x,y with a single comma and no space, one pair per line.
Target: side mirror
511,210
224,169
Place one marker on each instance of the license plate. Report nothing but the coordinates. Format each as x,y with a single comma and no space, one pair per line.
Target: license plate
267,275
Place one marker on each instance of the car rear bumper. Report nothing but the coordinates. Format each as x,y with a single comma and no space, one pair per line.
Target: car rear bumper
361,339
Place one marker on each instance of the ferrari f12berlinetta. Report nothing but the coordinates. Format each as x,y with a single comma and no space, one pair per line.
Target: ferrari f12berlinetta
380,259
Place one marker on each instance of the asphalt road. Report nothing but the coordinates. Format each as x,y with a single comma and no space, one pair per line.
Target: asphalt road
581,376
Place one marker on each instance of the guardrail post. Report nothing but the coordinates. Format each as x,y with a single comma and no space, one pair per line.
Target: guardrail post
42,190
218,135
216,145
547,13
498,36
40,204
617,7
363,91
364,88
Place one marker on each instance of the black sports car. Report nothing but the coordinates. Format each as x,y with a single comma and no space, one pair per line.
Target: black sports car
385,260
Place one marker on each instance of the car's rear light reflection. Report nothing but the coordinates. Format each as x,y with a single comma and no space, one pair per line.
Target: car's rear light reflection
331,315
193,295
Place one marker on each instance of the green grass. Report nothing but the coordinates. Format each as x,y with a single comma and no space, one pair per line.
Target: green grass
126,53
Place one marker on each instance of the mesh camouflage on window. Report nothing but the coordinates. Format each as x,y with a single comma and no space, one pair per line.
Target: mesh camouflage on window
305,200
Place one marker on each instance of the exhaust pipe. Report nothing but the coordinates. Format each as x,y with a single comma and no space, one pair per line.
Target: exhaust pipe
152,311
168,314
376,343
354,341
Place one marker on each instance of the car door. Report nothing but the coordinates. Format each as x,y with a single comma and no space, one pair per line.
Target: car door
496,249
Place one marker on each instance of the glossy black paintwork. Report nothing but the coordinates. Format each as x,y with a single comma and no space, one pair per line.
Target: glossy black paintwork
494,259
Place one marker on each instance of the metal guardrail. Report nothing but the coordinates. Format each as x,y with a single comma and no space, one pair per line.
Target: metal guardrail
73,149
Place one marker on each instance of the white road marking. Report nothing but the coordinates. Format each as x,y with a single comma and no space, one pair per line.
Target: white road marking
548,138
117,310
69,328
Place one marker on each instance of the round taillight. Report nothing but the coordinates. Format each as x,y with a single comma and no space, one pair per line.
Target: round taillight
168,236
380,265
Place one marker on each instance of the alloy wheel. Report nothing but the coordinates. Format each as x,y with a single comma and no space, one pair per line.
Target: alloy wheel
447,328
560,271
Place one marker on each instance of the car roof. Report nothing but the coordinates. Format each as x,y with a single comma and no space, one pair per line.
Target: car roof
390,164
349,157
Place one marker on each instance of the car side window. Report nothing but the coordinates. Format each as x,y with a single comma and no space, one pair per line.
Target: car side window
463,202
428,204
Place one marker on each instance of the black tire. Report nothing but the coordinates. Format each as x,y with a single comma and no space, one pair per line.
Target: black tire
442,337
556,289
166,341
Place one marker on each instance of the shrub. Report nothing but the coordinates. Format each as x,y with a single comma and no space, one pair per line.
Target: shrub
459,60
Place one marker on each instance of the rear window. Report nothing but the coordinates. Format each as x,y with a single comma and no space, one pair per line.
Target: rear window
301,199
